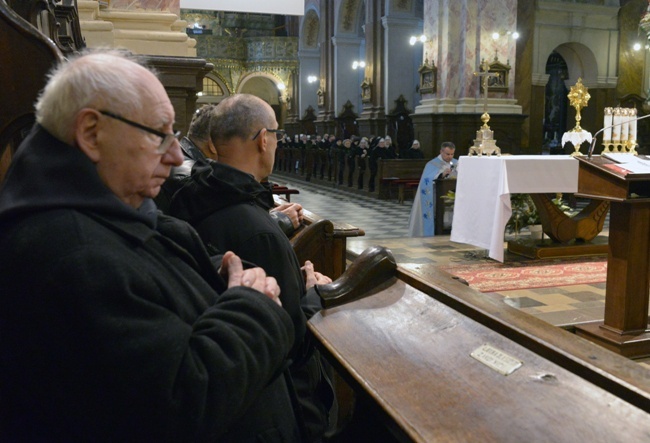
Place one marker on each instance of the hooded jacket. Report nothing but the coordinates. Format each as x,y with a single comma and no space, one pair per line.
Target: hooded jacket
115,324
229,210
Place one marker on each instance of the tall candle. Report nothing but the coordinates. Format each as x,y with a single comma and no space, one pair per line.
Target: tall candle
616,129
632,116
625,126
609,118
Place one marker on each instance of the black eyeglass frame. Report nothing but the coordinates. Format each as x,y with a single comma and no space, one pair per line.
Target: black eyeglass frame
279,133
167,139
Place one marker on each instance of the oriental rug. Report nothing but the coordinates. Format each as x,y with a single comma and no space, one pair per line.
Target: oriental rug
495,277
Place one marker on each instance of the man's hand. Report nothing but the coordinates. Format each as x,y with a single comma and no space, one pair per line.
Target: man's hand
312,277
293,211
233,271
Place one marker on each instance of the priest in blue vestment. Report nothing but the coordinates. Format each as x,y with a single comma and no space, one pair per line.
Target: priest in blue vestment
422,221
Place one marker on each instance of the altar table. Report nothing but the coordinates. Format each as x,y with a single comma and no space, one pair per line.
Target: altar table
482,206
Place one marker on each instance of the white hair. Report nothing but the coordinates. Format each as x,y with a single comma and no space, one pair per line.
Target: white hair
99,79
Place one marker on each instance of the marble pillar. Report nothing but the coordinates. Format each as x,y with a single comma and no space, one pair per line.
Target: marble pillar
461,37
399,65
309,66
325,119
373,116
149,27
347,80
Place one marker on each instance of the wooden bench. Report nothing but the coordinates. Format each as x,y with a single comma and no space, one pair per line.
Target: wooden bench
283,190
323,242
415,351
405,173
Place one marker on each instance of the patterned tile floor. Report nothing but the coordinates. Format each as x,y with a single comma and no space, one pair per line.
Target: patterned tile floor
386,224
378,218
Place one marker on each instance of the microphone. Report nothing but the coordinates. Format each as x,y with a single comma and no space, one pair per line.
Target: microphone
593,140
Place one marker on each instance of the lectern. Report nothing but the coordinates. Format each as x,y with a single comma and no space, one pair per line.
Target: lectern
625,326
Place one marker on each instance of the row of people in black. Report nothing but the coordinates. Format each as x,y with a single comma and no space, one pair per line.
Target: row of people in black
338,159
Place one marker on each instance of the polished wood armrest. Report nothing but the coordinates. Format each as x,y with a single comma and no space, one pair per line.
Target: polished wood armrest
370,269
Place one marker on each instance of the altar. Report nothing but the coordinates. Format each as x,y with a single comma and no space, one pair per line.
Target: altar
482,206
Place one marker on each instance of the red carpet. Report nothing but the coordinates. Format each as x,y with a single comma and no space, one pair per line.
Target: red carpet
493,277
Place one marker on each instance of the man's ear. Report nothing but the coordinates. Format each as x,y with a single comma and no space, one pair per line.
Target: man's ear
261,140
211,147
86,133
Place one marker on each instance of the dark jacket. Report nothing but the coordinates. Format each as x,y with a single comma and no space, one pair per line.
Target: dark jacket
229,210
115,325
191,155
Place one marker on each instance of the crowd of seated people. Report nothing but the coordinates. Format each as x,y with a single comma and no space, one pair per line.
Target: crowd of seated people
339,160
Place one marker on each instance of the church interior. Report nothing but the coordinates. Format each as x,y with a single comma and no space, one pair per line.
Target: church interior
423,355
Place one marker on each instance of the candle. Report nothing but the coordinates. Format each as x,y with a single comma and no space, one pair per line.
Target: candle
625,125
616,129
632,116
609,118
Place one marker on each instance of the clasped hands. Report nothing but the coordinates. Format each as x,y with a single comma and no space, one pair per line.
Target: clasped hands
233,271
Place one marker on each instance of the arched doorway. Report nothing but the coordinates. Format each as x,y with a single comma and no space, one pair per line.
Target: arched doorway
555,104
566,64
268,90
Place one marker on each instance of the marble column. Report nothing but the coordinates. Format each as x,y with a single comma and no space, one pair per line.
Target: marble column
149,27
373,116
309,66
460,38
399,66
347,81
325,119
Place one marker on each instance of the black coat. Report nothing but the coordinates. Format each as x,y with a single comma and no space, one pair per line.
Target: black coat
230,211
115,325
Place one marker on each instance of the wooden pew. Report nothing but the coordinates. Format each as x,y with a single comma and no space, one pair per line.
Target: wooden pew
407,348
398,172
323,242
283,190
22,77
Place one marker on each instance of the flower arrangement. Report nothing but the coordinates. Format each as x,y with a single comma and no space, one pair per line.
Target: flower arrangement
524,211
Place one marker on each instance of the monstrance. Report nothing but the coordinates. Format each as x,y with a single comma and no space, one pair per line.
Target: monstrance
578,98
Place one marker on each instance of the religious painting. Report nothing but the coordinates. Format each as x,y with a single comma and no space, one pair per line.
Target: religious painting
499,77
366,91
428,78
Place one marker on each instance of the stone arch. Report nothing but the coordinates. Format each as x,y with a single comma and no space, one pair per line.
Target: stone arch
262,85
266,87
581,63
208,95
310,28
349,17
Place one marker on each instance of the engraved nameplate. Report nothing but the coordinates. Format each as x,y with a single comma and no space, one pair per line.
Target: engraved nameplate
496,359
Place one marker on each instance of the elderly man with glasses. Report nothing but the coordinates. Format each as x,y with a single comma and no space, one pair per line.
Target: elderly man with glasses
228,205
116,324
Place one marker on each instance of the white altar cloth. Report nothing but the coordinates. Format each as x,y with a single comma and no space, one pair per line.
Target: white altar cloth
482,205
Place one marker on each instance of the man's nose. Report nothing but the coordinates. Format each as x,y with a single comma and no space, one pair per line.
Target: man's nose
174,154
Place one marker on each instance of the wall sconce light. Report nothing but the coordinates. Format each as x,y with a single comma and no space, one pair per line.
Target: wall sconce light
311,78
358,64
510,34
281,86
414,39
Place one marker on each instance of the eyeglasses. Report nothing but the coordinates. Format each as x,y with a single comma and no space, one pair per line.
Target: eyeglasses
167,139
279,133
